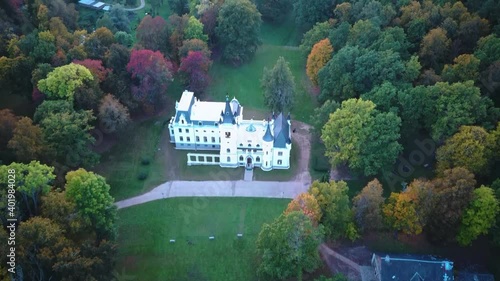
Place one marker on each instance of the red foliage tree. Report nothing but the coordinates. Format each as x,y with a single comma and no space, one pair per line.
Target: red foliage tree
96,67
151,73
196,66
152,33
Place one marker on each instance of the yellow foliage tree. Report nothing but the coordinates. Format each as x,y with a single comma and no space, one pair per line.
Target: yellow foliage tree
401,215
308,204
319,56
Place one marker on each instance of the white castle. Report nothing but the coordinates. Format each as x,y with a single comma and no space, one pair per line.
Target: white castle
219,126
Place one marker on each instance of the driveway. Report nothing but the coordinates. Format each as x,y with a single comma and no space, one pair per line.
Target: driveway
141,6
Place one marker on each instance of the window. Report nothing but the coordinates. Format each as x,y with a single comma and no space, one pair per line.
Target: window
171,132
258,145
213,146
241,158
213,139
199,123
266,163
279,162
197,139
228,150
228,134
204,139
249,145
187,130
267,152
257,159
241,144
280,153
180,130
182,121
181,139
188,139
228,159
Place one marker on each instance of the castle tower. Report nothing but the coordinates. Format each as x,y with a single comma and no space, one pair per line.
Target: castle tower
228,137
267,149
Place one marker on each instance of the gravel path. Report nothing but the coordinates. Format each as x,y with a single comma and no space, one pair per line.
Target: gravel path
141,6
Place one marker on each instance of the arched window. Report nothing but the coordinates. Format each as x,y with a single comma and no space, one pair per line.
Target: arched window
241,158
258,145
257,159
266,163
228,150
249,145
228,159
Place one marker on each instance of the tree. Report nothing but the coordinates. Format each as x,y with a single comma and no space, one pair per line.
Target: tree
334,204
401,215
63,81
179,7
194,45
468,148
95,67
307,204
90,193
32,181
289,246
367,207
318,32
274,10
119,18
307,13
194,30
237,31
435,47
27,141
68,137
487,50
454,191
51,107
479,216
466,67
113,116
123,38
209,20
195,66
279,86
117,58
44,48
152,73
317,59
8,122
455,105
349,133
336,277
322,115
151,33
98,42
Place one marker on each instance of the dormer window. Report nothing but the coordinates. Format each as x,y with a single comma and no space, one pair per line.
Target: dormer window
228,135
199,123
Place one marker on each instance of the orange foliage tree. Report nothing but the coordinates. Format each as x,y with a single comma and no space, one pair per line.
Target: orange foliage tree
306,203
319,56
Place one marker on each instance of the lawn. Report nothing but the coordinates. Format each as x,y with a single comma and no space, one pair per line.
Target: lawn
280,175
145,231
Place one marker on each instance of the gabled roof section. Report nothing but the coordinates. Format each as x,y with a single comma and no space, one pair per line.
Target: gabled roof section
281,132
184,106
268,136
227,115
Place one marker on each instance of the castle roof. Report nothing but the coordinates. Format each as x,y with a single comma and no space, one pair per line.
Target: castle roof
227,114
268,136
281,131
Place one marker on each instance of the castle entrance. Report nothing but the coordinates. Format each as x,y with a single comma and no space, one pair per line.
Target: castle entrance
249,165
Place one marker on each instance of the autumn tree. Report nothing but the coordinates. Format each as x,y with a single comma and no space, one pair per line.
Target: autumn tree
152,34
113,116
194,45
454,190
238,41
435,47
401,215
95,67
367,207
465,67
279,86
27,141
63,81
307,204
289,246
32,181
479,216
348,137
90,193
8,123
319,56
334,204
98,43
194,30
195,66
468,148
151,73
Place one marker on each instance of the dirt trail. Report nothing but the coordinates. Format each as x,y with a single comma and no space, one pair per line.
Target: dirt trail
302,137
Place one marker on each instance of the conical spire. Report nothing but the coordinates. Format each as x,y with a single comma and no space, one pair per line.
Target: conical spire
228,117
268,136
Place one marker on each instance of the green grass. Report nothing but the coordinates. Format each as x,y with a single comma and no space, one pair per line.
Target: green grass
145,231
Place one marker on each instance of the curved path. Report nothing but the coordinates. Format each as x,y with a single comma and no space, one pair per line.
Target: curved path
264,189
141,6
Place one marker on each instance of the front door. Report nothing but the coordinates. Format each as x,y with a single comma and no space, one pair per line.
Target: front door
249,163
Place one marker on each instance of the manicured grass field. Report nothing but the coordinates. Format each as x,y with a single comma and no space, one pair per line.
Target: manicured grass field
145,230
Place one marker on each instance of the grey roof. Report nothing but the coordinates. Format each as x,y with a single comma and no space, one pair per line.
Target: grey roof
470,276
235,107
268,136
281,132
414,268
227,115
187,114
